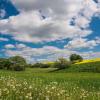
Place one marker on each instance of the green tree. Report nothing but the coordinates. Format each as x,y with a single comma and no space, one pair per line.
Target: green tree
75,58
4,63
18,63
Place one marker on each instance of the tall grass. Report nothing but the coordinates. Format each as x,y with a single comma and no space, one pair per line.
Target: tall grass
31,85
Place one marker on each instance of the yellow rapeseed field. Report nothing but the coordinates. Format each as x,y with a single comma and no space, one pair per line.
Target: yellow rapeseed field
89,61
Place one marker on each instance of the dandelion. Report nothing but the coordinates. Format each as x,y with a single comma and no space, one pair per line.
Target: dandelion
26,97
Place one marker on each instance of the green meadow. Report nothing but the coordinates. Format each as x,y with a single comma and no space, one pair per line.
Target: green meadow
48,84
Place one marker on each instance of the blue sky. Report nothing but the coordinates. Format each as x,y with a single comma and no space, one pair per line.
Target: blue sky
40,31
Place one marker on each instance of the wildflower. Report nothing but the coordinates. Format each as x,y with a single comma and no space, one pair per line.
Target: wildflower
29,94
30,87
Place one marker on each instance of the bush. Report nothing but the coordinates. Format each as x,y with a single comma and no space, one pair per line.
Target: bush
62,63
29,65
18,67
36,65
40,65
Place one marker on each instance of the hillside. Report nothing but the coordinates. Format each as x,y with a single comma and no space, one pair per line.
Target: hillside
92,65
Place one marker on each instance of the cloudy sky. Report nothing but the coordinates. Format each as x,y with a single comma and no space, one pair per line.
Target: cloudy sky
41,30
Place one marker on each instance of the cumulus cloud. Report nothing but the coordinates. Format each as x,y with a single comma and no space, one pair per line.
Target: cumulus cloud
46,53
90,55
30,26
49,53
20,46
51,20
79,43
9,46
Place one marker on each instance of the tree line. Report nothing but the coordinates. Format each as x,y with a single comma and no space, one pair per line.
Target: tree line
18,63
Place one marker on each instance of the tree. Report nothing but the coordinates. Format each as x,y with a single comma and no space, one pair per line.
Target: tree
75,58
17,63
17,59
4,63
62,63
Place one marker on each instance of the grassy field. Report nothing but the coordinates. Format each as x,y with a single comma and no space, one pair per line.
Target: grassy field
42,84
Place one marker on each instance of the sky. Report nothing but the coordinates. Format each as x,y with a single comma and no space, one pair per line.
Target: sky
44,30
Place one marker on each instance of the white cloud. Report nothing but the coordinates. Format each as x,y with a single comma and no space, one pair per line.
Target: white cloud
46,53
16,46
3,39
20,46
90,55
29,26
9,46
79,43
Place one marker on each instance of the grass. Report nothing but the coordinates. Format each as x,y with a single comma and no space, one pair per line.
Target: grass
83,67
41,84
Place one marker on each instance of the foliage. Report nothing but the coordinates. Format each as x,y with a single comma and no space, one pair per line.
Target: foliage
18,63
15,63
62,63
4,63
29,65
40,65
75,58
17,60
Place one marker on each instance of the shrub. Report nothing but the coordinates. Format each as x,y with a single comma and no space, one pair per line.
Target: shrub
36,65
62,63
18,67
40,65
44,66
29,65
